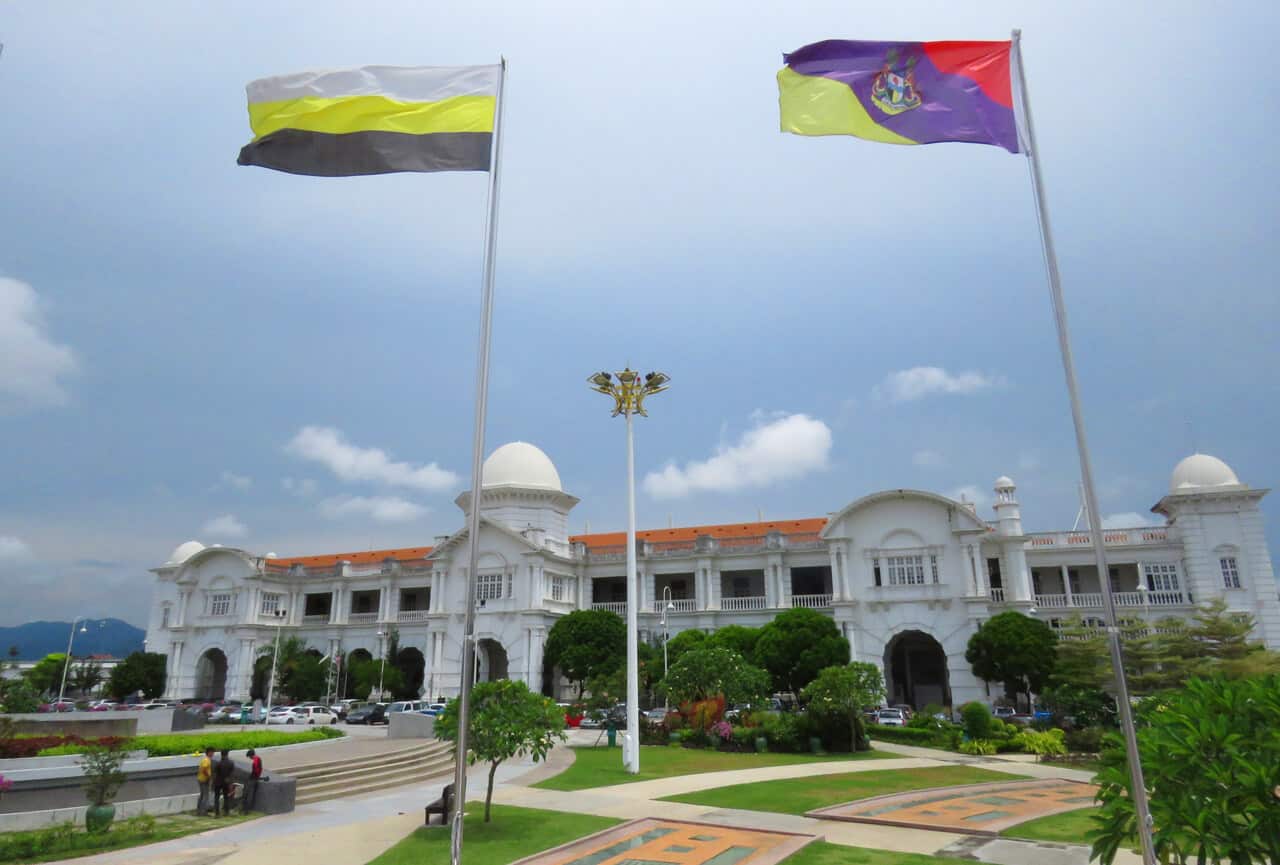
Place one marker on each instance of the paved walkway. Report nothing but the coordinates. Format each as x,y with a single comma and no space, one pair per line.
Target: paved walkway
356,830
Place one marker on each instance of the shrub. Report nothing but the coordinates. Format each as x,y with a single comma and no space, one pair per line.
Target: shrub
977,720
654,734
1044,744
744,738
1086,741
102,775
907,736
783,732
978,747
33,746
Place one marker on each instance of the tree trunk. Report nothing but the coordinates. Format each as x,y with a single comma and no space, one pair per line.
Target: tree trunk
488,794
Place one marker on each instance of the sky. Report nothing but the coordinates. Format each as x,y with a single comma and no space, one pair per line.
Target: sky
193,349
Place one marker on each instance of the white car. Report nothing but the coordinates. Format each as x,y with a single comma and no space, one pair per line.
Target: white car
406,706
891,718
301,715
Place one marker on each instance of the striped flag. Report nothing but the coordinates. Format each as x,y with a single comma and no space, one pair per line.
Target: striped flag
373,120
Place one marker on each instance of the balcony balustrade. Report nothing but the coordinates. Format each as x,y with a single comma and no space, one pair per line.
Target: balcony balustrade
997,596
362,618
1093,600
412,615
678,605
813,602
619,607
734,605
321,619
1115,537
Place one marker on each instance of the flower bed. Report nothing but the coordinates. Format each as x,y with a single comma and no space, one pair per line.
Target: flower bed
194,743
19,747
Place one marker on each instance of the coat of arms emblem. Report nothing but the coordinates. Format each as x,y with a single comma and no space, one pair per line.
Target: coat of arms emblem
894,88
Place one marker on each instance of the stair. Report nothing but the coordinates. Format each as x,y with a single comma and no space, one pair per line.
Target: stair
354,776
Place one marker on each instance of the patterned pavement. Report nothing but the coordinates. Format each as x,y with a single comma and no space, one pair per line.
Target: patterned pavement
674,842
975,809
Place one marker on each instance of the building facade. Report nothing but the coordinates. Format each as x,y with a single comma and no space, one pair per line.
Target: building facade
907,575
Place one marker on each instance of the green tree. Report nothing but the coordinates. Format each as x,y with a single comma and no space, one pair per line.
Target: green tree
1015,650
17,696
366,674
1156,656
739,638
705,673
1210,752
797,645
506,720
1221,643
1081,685
140,671
585,644
86,676
307,679
685,641
841,694
46,675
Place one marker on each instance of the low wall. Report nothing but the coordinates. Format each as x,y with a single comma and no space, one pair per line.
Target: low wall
92,725
26,820
410,725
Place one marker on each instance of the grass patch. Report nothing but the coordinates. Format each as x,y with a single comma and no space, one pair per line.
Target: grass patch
600,767
175,745
822,853
68,842
513,834
798,795
1069,827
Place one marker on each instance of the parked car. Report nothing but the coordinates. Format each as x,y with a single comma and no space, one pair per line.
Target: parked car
280,715
312,715
372,713
891,718
658,715
406,706
1004,713
224,713
433,709
593,720
907,711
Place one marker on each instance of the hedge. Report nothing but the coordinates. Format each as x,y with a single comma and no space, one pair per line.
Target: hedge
31,746
195,743
909,736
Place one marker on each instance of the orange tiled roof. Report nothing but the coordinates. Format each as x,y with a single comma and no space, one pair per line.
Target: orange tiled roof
689,533
364,558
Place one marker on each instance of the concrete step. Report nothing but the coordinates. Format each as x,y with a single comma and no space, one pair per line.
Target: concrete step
288,768
440,770
370,763
356,770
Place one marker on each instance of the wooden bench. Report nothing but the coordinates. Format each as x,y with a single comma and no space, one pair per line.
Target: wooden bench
442,806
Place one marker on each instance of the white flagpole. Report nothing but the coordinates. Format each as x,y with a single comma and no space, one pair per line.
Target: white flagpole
1139,790
477,462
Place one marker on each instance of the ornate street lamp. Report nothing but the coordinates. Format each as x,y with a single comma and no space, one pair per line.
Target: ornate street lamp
667,607
629,391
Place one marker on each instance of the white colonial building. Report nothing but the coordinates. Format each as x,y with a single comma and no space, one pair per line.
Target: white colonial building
907,575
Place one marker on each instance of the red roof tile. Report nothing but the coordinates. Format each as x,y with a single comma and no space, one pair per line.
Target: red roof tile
364,558
689,533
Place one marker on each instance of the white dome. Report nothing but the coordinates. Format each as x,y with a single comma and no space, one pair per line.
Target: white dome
520,464
184,552
1201,470
1004,482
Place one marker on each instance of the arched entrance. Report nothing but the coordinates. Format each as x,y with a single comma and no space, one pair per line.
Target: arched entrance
413,666
261,675
491,661
915,671
354,659
211,676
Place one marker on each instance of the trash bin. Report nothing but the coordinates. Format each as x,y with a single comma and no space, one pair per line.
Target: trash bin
612,735
244,714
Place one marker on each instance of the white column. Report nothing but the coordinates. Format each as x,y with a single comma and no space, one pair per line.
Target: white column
713,573
1066,585
837,581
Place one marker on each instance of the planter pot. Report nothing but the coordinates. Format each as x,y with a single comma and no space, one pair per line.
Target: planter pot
97,818
675,737
762,744
815,745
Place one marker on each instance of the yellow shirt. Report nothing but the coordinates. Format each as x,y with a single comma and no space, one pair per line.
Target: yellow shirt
205,771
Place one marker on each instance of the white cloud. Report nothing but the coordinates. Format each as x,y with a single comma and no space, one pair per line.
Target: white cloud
327,446
970,493
927,459
225,526
1129,520
921,381
31,364
384,509
229,480
785,447
300,487
13,549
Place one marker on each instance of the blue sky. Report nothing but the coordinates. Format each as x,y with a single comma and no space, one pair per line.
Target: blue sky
190,349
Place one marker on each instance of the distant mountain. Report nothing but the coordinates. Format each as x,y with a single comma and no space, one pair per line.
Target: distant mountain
34,640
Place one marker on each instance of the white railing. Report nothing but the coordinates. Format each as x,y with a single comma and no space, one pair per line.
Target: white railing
322,619
813,602
1086,599
619,607
737,604
1114,537
1051,602
1127,599
997,596
1165,599
412,615
678,605
362,618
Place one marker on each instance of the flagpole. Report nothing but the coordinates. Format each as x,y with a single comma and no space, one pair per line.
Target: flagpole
477,462
1139,791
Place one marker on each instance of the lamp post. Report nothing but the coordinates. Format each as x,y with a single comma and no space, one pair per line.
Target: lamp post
629,391
666,637
280,615
66,663
382,650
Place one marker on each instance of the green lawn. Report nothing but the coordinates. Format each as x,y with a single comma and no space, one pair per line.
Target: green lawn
514,833
57,843
798,795
822,853
1069,827
600,767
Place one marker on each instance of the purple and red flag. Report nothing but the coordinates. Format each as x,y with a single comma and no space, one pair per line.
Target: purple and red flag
901,92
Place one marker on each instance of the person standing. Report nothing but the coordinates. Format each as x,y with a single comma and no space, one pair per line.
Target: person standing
204,773
251,784
222,773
